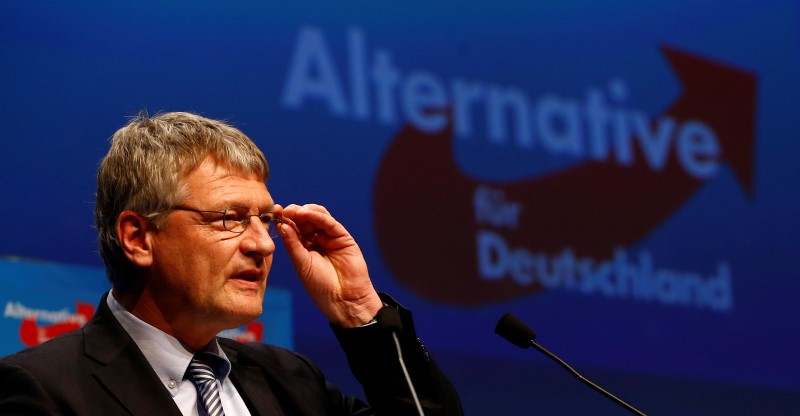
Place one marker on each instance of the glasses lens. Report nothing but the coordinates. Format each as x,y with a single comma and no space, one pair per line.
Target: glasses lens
235,219
272,228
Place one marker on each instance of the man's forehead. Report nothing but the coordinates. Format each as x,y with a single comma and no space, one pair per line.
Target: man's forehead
219,184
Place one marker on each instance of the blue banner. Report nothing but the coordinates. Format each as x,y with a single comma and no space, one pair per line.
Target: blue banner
621,176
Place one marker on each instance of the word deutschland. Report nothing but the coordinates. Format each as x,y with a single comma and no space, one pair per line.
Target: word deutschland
595,126
618,277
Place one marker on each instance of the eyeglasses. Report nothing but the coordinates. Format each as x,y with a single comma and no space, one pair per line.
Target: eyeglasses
236,219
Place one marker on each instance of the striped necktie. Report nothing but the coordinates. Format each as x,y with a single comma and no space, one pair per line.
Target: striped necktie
206,383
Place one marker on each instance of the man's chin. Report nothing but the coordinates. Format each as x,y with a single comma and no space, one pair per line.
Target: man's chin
241,315
235,310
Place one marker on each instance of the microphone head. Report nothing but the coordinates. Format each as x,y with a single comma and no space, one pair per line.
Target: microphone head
514,330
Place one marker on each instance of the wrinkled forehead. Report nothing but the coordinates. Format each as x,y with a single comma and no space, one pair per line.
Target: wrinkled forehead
220,184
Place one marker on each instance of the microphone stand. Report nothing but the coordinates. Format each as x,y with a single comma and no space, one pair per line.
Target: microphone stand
585,380
521,335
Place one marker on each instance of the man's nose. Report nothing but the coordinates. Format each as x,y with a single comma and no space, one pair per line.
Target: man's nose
256,239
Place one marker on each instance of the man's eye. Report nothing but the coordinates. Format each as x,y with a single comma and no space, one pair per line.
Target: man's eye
232,216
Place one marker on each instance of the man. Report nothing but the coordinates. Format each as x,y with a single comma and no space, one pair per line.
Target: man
186,227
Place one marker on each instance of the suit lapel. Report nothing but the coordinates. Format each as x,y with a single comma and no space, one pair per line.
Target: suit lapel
125,373
136,387
253,387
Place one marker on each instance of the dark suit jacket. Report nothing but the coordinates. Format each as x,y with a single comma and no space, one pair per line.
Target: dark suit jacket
99,370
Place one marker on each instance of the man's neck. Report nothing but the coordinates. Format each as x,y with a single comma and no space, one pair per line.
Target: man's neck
195,336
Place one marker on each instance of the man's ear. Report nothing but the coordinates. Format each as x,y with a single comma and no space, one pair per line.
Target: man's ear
134,233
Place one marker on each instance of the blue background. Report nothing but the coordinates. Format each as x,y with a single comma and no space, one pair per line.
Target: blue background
71,74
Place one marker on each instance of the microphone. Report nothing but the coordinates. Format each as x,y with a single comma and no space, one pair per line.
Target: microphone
521,335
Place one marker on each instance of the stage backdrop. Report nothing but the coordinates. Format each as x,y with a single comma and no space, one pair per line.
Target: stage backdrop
623,176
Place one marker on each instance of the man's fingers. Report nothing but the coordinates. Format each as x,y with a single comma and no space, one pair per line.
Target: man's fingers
287,224
311,219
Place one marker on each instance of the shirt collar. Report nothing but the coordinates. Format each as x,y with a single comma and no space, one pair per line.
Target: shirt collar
165,353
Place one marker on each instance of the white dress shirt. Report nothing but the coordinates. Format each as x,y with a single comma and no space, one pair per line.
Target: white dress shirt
169,358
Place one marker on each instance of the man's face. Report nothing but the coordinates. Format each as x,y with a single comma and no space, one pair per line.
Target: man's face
203,275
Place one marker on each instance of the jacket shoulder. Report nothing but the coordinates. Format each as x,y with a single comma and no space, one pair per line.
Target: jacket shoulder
49,355
269,357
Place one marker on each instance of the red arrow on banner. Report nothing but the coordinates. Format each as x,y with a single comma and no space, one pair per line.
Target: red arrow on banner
424,204
253,332
31,333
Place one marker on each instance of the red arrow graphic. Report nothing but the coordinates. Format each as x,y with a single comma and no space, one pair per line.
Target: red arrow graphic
425,218
253,332
31,333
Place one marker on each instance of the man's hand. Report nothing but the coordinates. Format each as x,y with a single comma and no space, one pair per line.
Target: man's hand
330,265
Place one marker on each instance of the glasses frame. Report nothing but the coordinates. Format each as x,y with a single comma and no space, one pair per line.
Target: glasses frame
272,219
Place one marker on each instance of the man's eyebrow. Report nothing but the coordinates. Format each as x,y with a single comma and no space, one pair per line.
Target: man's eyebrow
267,209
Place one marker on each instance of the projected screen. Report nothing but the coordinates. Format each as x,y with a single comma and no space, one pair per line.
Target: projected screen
622,177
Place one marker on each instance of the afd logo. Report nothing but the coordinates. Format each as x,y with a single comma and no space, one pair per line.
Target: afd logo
252,332
40,325
457,239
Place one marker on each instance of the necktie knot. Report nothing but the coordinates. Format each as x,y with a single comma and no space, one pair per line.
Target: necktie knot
206,382
201,370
